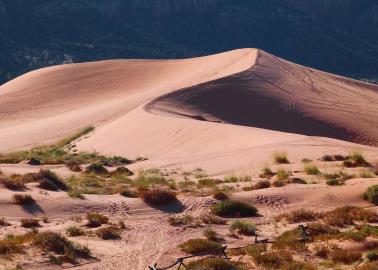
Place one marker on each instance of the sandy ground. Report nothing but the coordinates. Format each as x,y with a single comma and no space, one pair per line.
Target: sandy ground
226,113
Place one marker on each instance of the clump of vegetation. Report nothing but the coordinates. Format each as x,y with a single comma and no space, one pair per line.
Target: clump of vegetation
346,215
296,180
159,197
345,256
23,199
74,231
372,256
96,168
213,264
355,159
122,171
262,184
210,234
327,158
3,222
371,194
50,181
279,183
12,184
366,173
267,173
220,196
96,220
108,233
75,194
299,215
128,192
282,175
29,223
335,182
212,219
231,208
209,183
311,170
178,221
273,259
74,166
199,246
281,158
243,227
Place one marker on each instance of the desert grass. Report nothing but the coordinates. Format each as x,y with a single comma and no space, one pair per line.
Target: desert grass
282,174
231,208
23,199
242,227
262,184
108,233
74,231
199,246
96,220
29,223
214,263
371,194
356,159
299,215
311,170
12,184
280,158
158,197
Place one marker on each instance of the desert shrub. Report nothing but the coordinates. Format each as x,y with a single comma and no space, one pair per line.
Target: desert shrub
75,194
96,220
299,215
282,175
231,179
159,197
372,256
11,244
281,158
210,183
345,256
50,181
306,160
322,251
346,215
262,184
220,196
210,234
243,227
12,184
267,173
128,192
23,199
311,170
279,183
335,182
273,259
371,194
356,159
108,233
74,231
29,223
288,240
369,230
231,208
339,157
96,168
212,219
327,158
178,221
199,246
212,264
297,180
3,222
366,173
74,166
122,171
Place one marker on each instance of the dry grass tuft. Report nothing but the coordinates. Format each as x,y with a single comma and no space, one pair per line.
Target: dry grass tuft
231,208
200,246
23,199
159,197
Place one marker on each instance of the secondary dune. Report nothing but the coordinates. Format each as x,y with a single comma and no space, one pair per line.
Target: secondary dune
223,111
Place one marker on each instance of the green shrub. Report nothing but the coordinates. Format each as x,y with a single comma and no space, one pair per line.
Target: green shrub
23,199
311,170
283,175
108,233
96,220
96,168
356,159
371,194
335,182
267,173
243,227
199,246
281,158
159,197
231,208
29,223
262,184
74,231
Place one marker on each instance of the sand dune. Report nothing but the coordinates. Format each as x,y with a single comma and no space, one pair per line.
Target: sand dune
213,110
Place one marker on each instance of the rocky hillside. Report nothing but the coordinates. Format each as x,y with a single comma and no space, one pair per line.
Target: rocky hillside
334,35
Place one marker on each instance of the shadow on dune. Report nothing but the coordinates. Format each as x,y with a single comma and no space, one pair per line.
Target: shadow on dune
172,208
33,209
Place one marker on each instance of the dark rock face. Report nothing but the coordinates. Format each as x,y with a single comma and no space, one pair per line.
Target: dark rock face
338,36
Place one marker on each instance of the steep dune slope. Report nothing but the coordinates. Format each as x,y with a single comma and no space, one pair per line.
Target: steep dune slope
223,111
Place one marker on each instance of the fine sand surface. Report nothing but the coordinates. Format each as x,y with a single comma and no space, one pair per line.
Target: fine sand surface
226,113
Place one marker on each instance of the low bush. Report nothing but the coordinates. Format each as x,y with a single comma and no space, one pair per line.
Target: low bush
299,215
23,199
282,175
345,256
29,223
262,184
371,194
267,173
231,208
335,182
279,183
220,196
273,259
243,227
200,246
210,234
122,171
297,180
281,158
372,256
74,231
75,194
128,192
96,168
178,221
210,183
311,170
50,181
356,159
213,264
96,220
212,219
108,233
327,158
346,215
12,184
158,197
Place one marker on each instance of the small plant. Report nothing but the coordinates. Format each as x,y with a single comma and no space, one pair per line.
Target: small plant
356,159
108,233
29,223
283,175
178,221
122,171
96,168
267,173
278,183
262,184
243,227
128,192
210,183
231,208
366,174
198,246
50,181
210,234
296,180
346,215
371,194
96,220
345,256
213,264
212,219
12,184
75,194
22,199
335,182
220,196
281,158
311,170
74,231
159,197
300,215
327,158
